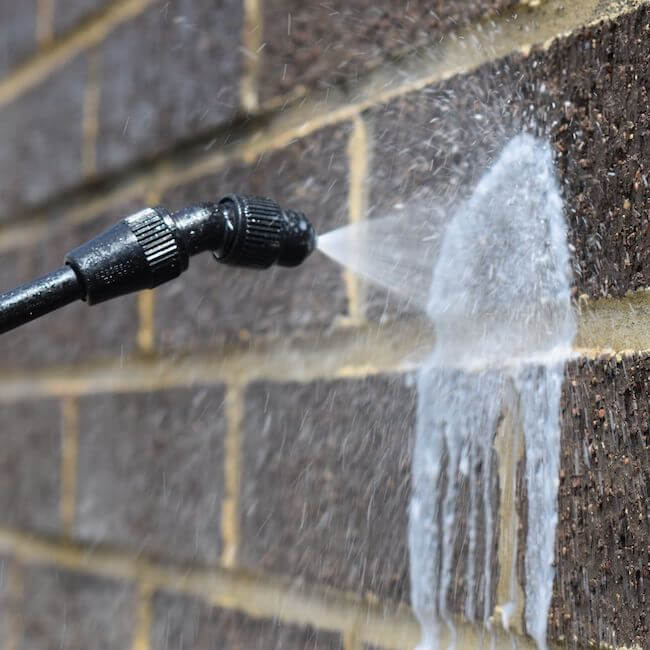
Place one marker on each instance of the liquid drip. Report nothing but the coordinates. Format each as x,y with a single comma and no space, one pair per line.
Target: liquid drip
497,287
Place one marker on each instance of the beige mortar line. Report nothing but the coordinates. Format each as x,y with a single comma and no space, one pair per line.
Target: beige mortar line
392,349
456,55
300,92
509,447
358,164
147,299
615,325
177,175
44,22
18,235
352,639
21,235
257,595
146,317
612,327
59,52
252,50
90,126
147,187
69,455
232,476
428,66
14,620
143,615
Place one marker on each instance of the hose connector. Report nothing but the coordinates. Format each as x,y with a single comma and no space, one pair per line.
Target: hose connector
142,251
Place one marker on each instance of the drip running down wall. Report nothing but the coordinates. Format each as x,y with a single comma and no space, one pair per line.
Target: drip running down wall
499,299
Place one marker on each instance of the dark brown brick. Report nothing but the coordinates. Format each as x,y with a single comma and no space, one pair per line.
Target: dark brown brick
40,139
314,44
326,481
212,303
168,74
17,32
432,145
151,472
76,333
75,611
182,622
69,13
602,583
29,465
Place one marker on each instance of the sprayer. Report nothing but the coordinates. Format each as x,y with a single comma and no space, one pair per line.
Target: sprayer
154,246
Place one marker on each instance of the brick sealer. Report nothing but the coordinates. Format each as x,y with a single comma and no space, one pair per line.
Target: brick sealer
154,246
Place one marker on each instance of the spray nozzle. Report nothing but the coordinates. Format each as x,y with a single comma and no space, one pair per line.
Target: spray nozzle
153,246
261,234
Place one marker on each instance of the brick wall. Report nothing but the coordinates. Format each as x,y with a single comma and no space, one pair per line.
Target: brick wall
225,462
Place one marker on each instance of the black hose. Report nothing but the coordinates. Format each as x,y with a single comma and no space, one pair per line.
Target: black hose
40,297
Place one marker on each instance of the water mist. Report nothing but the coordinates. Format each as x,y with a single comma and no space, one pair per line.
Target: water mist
496,286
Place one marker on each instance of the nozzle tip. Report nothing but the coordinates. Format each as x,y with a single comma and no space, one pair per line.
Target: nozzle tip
299,239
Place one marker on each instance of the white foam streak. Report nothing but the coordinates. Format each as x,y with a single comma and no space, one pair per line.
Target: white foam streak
496,286
500,302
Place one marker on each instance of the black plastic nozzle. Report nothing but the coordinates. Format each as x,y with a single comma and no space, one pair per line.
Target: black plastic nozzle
153,246
263,234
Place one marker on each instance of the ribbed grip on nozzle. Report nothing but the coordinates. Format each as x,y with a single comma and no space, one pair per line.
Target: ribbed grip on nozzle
140,252
256,234
161,249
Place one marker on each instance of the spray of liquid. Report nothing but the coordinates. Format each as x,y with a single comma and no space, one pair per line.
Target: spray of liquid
496,285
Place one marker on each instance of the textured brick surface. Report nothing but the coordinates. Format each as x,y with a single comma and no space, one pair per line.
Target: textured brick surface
40,133
181,622
75,611
325,482
325,466
168,74
214,303
151,472
17,32
69,13
601,591
76,333
29,465
315,44
431,145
